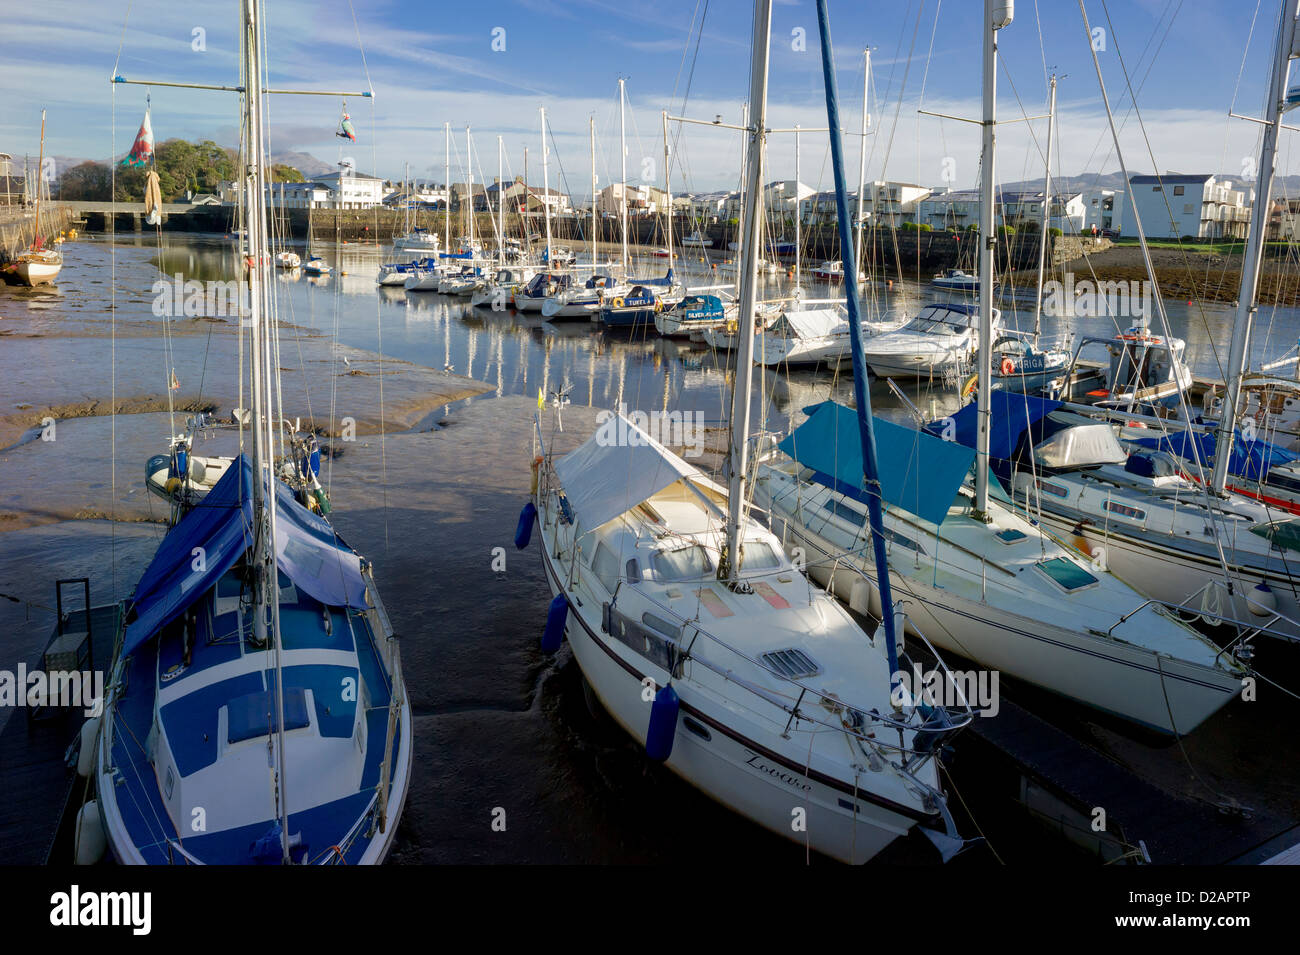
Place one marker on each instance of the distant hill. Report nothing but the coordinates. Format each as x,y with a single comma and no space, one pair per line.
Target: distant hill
1282,185
305,163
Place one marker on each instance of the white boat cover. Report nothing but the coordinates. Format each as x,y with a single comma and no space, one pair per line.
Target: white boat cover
1080,446
815,322
616,469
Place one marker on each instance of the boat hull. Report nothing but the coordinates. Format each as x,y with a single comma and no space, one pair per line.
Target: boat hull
730,766
1111,676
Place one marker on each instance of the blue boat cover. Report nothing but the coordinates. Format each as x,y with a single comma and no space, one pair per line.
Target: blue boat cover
308,552
667,280
1011,415
1250,460
918,472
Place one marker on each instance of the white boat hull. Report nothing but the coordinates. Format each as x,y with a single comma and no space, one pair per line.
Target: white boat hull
1108,675
730,767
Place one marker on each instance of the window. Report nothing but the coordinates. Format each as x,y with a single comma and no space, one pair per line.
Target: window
1179,190
682,563
1053,489
1124,510
605,566
1155,188
1066,574
1187,208
758,555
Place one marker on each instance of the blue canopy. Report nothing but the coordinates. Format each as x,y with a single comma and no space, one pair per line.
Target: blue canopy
667,280
1011,415
918,472
308,552
1250,460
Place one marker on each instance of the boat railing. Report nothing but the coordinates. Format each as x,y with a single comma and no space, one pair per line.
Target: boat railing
935,729
936,722
1247,630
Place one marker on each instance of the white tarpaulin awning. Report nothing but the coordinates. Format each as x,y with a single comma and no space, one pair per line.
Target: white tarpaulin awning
815,322
616,469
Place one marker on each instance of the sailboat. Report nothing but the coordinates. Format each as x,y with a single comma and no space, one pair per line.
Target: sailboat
1214,554
982,580
38,265
708,646
256,711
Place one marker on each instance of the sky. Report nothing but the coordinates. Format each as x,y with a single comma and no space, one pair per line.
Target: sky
492,65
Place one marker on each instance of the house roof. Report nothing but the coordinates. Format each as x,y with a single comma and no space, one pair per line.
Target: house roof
345,174
1172,179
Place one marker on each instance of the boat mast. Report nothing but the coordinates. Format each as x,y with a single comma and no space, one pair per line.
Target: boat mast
591,130
997,14
798,225
861,394
756,135
266,584
446,178
668,191
862,157
622,149
1045,225
546,188
40,178
501,203
1246,306
469,191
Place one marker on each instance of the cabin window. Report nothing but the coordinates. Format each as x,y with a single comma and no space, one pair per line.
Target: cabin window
1282,481
682,563
661,625
843,510
605,566
1010,535
1066,574
1124,510
1179,190
1055,490
633,571
758,555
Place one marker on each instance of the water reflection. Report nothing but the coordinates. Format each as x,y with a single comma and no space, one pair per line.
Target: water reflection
520,353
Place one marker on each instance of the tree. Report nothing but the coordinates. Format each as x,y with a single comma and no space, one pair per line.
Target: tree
282,172
88,181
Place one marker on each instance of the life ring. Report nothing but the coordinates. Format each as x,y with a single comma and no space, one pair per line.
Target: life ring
1008,366
967,388
659,305
618,302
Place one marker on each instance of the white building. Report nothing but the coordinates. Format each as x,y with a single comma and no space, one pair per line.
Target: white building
892,203
781,199
954,209
299,195
1018,209
349,189
1103,210
642,200
1199,205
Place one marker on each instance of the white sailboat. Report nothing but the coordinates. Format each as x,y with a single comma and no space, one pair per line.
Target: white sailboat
768,696
982,580
39,264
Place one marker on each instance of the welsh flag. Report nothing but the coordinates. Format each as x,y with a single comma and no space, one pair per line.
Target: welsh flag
142,151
